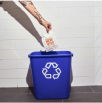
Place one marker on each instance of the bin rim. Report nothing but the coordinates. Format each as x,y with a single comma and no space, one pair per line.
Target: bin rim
59,55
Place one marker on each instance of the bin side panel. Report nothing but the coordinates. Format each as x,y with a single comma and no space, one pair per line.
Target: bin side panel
51,77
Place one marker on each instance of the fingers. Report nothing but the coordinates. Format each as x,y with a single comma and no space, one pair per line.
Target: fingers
47,25
49,28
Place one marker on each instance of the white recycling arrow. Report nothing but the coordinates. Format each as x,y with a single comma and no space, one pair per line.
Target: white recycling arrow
47,66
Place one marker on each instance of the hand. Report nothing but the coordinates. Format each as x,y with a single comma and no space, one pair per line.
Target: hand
46,24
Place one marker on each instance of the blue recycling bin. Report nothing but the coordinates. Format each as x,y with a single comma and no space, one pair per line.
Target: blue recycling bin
51,74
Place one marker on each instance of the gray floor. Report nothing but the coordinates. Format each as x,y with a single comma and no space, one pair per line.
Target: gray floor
77,94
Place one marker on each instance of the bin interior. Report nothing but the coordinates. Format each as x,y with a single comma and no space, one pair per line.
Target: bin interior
51,53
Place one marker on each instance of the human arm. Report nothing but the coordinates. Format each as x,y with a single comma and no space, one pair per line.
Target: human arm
31,8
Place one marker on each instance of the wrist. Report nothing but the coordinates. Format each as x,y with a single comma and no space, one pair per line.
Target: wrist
40,20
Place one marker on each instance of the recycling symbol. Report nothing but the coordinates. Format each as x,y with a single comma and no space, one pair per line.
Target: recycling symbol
47,67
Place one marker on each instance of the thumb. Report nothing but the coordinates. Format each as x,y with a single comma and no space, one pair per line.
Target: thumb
47,30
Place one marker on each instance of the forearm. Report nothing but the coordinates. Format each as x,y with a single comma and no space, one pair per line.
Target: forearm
31,8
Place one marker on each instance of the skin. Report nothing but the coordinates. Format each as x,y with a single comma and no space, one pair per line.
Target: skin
31,8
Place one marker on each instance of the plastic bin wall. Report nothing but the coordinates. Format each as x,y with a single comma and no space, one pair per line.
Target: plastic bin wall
51,74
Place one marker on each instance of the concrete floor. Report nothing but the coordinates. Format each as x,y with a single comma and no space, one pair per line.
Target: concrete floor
77,94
